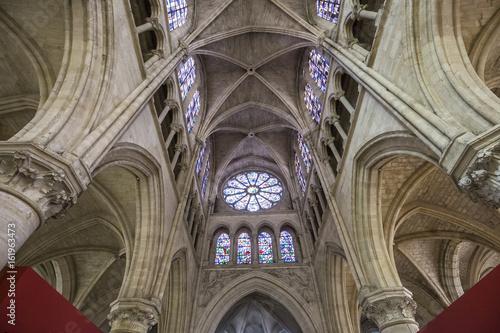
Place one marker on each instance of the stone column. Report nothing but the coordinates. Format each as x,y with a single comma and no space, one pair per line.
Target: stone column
32,189
133,316
391,309
335,121
255,249
191,196
317,190
313,227
174,128
179,149
329,142
317,214
277,248
233,248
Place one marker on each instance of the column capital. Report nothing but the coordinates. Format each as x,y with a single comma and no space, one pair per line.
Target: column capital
133,315
46,186
176,127
154,22
482,178
388,307
338,94
170,103
180,147
356,11
159,53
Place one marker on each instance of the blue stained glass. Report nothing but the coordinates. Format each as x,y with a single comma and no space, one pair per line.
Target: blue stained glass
319,69
177,11
186,75
244,255
286,244
262,178
222,251
192,111
205,178
306,155
328,9
199,162
252,191
313,104
300,176
265,248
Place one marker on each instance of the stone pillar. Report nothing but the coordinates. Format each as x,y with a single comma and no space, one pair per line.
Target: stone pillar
132,316
233,248
313,227
391,309
255,249
32,189
317,190
277,248
192,194
179,149
335,121
329,143
317,214
174,128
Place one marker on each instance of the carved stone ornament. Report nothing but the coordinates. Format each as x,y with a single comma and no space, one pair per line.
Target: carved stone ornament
48,188
132,318
297,278
482,179
213,281
387,312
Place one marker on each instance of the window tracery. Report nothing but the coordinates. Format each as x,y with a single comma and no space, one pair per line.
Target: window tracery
192,111
186,75
201,155
205,178
300,175
222,250
287,248
177,12
319,69
313,104
306,154
244,249
265,248
328,9
252,191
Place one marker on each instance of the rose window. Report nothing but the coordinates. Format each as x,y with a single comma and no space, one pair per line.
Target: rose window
252,191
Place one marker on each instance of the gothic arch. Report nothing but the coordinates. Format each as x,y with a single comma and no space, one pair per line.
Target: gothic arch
257,282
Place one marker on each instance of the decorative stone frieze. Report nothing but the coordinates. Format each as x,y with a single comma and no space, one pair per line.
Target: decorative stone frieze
44,185
482,178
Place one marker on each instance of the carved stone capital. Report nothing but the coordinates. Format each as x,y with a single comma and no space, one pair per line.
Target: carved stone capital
170,103
180,147
356,11
159,53
481,181
154,22
390,307
46,186
135,319
338,94
176,127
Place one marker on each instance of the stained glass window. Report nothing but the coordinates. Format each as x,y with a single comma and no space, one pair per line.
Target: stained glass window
205,178
177,11
306,155
265,248
222,251
319,69
192,110
286,244
328,9
186,75
300,176
201,154
244,249
252,191
312,104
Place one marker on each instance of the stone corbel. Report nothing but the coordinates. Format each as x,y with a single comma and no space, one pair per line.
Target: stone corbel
159,53
154,22
481,181
46,186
